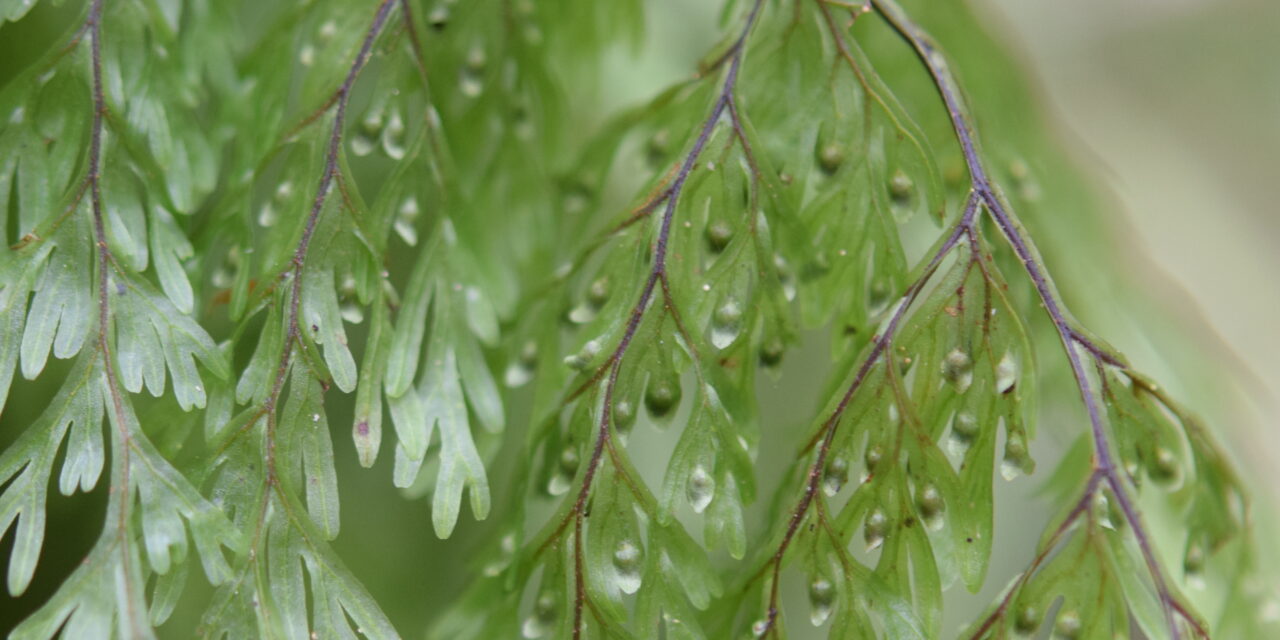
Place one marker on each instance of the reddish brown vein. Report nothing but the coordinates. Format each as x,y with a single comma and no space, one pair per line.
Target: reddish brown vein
93,25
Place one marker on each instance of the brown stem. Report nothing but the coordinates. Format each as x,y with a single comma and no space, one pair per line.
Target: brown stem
1070,337
105,261
293,332
880,345
657,275
1080,507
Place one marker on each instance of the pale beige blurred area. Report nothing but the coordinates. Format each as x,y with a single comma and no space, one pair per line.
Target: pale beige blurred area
1176,103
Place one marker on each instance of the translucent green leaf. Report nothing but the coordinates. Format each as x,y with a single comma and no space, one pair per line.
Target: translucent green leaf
690,475
323,321
35,199
169,248
481,391
109,583
13,10
460,464
180,340
18,276
126,220
27,464
308,450
61,310
411,325
255,379
413,433
367,430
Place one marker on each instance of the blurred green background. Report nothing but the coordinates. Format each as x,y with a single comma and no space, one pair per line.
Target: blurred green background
1175,106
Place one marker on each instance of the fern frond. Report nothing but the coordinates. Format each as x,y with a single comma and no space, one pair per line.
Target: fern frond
779,219
262,214
84,263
